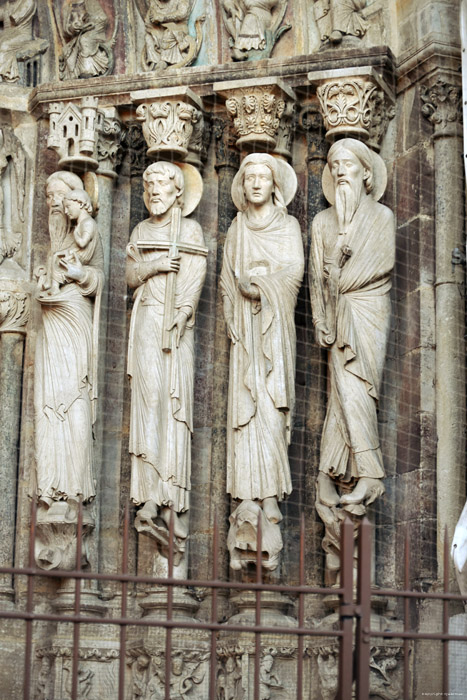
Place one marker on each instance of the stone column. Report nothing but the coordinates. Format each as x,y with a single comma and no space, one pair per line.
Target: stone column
442,105
14,313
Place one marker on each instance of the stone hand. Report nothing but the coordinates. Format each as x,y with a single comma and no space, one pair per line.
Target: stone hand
166,264
179,322
249,290
322,336
74,269
231,330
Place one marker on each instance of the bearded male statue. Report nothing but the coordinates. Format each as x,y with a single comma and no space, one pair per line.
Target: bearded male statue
352,255
166,264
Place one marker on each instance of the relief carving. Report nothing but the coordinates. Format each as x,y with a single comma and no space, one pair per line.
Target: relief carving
168,42
109,144
442,106
74,133
12,192
69,290
168,125
17,42
188,671
166,264
352,256
14,310
339,18
260,279
254,26
86,51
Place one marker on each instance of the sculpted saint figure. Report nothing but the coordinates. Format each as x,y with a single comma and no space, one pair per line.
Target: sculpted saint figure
336,18
166,264
253,26
260,279
69,291
352,255
86,52
17,37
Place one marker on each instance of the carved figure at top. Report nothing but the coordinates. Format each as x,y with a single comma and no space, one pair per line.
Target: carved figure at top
254,26
17,42
86,51
168,43
352,255
11,151
261,275
166,264
65,389
337,18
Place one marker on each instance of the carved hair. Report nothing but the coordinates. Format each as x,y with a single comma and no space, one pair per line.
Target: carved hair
171,171
71,180
82,197
360,151
271,163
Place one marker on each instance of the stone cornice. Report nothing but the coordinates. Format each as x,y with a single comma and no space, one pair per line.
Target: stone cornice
425,63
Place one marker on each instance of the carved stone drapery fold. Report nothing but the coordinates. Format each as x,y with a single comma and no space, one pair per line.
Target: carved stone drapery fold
442,106
169,118
256,108
355,103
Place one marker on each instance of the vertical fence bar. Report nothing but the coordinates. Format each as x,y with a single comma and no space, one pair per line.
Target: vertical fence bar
446,615
301,610
362,642
406,614
76,630
346,612
122,650
259,572
168,631
215,575
29,605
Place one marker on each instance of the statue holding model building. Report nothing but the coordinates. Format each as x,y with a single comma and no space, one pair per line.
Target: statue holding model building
166,264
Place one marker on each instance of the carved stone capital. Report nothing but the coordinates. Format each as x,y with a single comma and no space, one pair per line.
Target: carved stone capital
109,144
353,103
169,118
74,133
442,106
227,155
14,308
256,109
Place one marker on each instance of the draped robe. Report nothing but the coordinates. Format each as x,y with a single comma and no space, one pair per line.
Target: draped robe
161,422
341,15
350,444
262,363
65,383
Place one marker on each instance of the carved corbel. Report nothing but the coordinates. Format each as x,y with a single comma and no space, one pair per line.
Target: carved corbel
171,122
442,106
74,133
355,103
256,108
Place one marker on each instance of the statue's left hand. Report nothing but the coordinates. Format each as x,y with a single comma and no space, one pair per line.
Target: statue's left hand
180,321
74,269
247,288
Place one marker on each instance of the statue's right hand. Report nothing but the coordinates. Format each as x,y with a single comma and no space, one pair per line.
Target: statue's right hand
322,336
166,264
231,331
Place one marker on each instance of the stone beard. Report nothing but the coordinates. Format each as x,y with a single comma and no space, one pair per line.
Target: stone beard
65,378
351,312
161,424
268,252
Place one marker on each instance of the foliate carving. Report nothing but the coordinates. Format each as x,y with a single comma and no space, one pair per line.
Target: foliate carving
13,166
338,18
227,154
286,131
198,144
86,51
356,233
253,290
169,122
254,27
230,685
74,133
134,144
17,41
256,110
311,121
109,143
96,670
386,672
168,42
327,659
188,673
442,106
353,104
14,311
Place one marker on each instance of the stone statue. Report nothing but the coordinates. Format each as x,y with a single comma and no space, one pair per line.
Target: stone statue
166,263
65,389
260,279
86,52
168,42
337,18
254,26
17,42
352,255
11,151
268,680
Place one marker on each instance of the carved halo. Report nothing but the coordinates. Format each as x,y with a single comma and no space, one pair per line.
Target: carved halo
380,178
193,190
285,173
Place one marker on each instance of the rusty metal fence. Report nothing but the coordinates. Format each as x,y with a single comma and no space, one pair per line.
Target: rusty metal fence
354,633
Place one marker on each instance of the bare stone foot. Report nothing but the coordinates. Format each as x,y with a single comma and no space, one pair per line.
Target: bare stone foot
335,37
180,527
366,491
148,512
327,493
271,510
